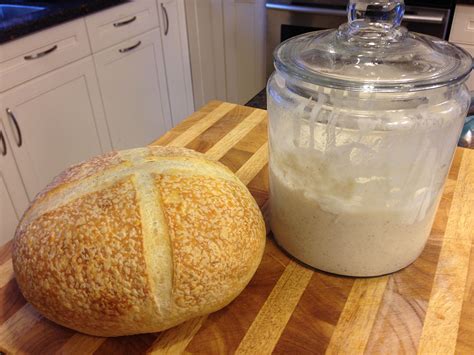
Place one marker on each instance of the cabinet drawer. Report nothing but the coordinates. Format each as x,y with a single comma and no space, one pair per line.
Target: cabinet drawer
121,22
133,84
36,54
462,30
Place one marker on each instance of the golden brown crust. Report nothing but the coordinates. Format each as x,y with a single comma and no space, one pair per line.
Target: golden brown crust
215,232
83,170
138,241
82,263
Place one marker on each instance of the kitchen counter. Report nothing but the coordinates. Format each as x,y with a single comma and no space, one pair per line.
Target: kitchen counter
287,307
49,13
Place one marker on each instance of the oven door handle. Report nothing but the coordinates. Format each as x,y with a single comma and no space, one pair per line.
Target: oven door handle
435,19
306,9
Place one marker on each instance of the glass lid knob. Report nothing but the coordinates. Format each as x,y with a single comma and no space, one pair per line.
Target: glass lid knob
373,22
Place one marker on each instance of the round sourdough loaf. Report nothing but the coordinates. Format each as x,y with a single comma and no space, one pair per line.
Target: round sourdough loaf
138,241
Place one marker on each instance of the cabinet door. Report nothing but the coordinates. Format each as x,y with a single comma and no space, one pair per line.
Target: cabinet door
133,85
13,199
60,120
244,38
176,55
204,22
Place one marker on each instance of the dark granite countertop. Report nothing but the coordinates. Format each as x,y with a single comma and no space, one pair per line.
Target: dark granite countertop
259,100
53,12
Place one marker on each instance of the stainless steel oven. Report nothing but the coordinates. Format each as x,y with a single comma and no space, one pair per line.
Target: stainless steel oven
288,18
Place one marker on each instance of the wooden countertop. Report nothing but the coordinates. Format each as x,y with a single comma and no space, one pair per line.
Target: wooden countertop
288,308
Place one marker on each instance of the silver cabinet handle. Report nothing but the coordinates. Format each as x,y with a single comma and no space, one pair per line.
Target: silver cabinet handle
125,50
10,114
165,16
40,54
126,22
4,144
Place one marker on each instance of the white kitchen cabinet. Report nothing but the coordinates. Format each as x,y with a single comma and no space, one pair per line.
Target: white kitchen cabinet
31,56
120,23
60,120
205,27
133,85
13,199
229,67
244,38
176,56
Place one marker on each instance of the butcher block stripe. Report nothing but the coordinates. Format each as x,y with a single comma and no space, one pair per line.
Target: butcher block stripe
441,324
234,136
201,125
357,319
267,327
288,307
19,324
80,344
6,273
175,341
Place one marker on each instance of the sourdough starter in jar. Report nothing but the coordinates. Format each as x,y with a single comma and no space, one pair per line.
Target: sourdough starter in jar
358,201
363,125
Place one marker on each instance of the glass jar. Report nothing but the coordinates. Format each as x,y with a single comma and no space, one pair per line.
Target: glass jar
363,125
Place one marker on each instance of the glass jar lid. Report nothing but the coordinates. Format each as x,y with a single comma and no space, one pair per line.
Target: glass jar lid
372,52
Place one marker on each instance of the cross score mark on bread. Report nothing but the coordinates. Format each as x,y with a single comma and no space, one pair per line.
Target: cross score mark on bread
138,241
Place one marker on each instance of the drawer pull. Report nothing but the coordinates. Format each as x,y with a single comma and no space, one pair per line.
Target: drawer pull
125,50
4,144
165,16
126,22
40,54
10,114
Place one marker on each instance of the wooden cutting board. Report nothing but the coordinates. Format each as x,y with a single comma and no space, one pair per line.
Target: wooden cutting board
288,308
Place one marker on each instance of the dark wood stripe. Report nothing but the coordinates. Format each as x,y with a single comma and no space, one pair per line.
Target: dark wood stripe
246,147
316,314
45,337
81,344
11,300
235,158
134,344
6,252
259,187
254,139
456,164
